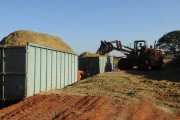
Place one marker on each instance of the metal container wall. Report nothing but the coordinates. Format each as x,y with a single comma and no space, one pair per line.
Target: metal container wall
25,71
106,64
49,69
12,73
96,65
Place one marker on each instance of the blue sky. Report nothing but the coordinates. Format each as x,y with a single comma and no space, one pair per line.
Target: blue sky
82,24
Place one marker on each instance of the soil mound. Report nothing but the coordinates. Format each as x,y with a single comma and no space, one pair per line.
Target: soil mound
22,37
60,107
88,54
112,96
144,110
74,107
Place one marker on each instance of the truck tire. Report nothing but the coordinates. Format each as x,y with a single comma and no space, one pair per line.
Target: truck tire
125,64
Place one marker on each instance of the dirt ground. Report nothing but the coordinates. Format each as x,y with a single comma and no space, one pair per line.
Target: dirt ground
118,95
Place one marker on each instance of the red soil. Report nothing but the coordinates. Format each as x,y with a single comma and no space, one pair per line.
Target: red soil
69,107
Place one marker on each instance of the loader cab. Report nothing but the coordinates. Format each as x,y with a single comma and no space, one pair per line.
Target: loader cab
140,45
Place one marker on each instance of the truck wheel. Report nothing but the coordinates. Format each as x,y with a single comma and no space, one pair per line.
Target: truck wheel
125,64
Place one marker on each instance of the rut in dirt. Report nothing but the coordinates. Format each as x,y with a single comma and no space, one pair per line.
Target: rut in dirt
52,107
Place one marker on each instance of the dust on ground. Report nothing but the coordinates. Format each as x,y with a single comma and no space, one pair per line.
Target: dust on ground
22,37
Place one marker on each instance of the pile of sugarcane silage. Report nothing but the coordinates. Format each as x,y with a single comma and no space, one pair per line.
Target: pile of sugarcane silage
88,54
22,37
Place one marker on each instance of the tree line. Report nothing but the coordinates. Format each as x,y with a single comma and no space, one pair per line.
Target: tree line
170,41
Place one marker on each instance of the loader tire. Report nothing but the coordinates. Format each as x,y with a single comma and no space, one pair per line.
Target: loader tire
143,65
125,64
156,67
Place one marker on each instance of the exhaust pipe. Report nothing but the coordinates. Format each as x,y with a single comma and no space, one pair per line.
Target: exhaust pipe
154,44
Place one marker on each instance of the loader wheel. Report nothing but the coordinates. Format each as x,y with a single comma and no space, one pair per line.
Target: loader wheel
156,67
125,64
143,65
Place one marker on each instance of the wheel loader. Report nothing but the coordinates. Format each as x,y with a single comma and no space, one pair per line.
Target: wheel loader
141,56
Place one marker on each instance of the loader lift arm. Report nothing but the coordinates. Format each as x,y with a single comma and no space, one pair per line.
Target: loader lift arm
107,47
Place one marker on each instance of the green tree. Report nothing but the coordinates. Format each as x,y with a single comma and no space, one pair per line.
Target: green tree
171,40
